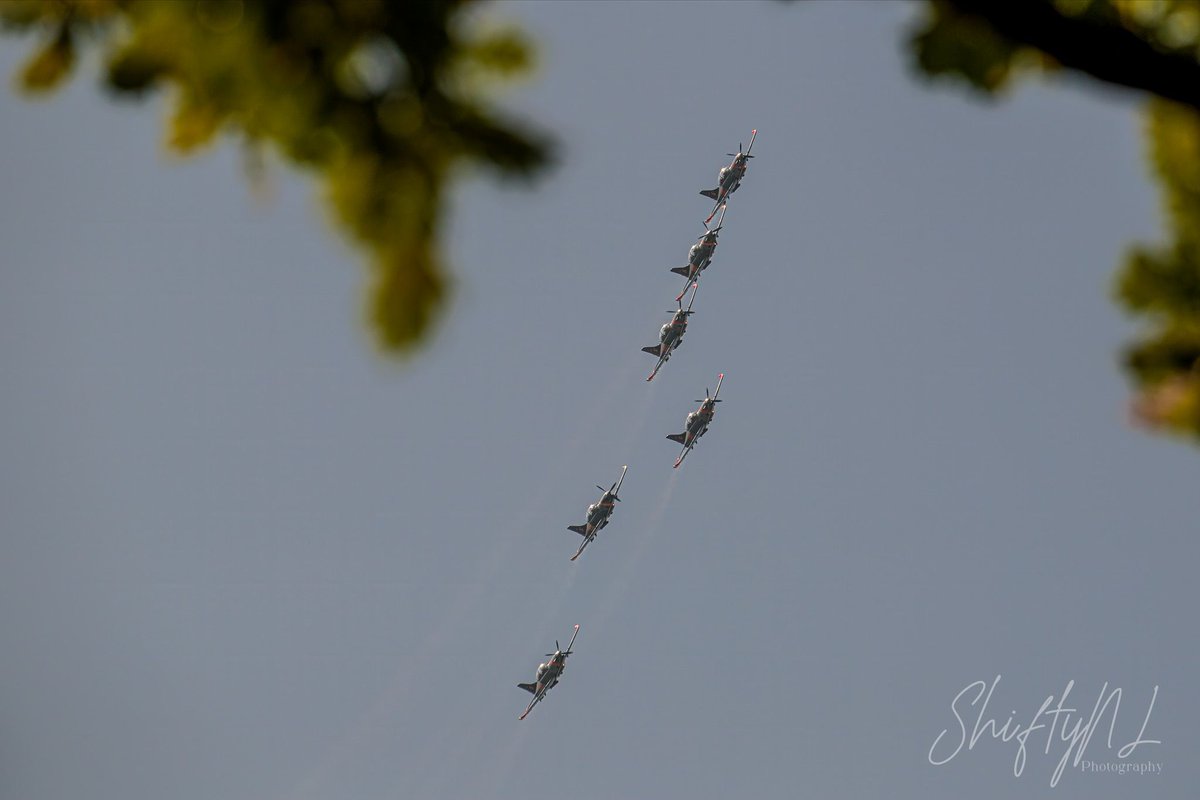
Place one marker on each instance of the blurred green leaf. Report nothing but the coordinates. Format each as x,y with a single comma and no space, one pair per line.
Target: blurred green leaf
957,45
380,100
1131,43
50,65
1166,281
505,53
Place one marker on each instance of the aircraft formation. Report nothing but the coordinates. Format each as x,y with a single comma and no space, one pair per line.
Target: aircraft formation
696,424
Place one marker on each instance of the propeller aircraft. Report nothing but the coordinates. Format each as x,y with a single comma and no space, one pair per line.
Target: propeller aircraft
730,177
670,336
697,422
548,674
598,513
699,256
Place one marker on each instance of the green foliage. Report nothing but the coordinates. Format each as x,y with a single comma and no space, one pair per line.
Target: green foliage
1162,282
1170,25
951,44
382,101
986,44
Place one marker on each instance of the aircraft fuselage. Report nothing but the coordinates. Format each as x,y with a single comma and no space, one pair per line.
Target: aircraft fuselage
697,422
729,177
701,253
673,329
598,513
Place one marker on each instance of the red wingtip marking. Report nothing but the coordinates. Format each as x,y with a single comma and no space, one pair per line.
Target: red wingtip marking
755,130
722,375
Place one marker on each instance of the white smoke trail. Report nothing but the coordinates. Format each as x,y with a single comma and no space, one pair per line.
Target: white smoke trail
619,586
506,545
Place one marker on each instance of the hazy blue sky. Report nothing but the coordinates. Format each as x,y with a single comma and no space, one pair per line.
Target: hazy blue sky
242,556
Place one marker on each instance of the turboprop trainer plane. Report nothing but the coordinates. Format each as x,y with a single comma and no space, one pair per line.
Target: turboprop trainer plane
730,177
699,257
548,674
697,422
598,513
670,335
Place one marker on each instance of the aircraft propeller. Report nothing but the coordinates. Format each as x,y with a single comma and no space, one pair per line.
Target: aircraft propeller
558,651
745,154
609,490
713,398
695,288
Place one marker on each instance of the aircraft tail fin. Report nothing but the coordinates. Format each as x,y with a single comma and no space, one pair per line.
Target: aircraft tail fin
677,437
680,271
711,194
529,687
653,350
580,529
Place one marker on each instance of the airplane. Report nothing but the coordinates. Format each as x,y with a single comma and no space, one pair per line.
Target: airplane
699,256
697,422
598,513
548,674
670,336
730,177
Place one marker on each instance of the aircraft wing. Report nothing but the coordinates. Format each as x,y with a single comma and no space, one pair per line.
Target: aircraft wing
661,360
540,696
721,197
686,449
536,699
587,539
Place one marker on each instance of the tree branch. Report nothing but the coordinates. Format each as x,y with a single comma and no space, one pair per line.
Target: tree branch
1106,51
